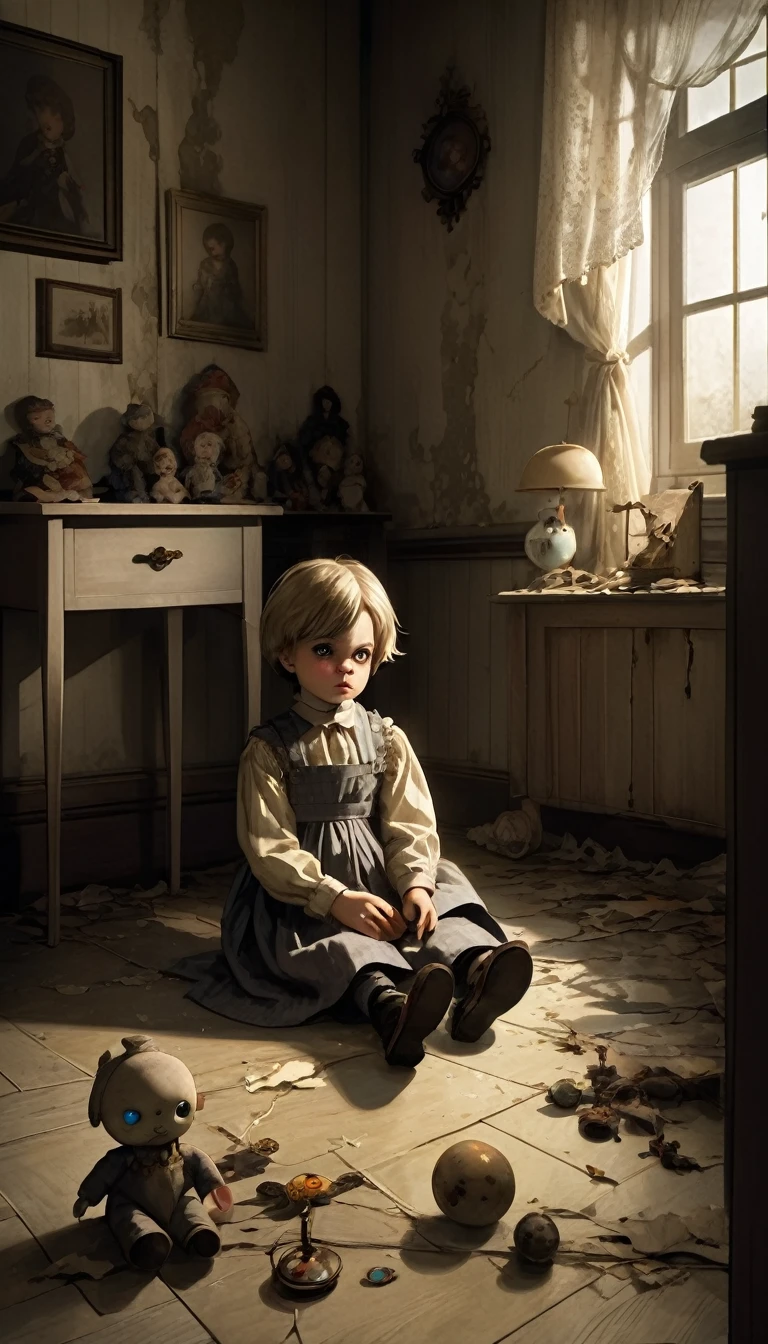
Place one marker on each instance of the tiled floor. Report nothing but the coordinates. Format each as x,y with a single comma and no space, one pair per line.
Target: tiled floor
622,953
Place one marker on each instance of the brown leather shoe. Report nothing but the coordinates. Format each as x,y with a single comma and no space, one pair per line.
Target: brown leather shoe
501,982
404,1021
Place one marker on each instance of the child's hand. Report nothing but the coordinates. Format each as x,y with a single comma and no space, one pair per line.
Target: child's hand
417,904
80,1207
368,914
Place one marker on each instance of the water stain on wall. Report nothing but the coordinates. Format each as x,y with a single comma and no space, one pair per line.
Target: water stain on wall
142,380
456,484
151,22
215,30
147,119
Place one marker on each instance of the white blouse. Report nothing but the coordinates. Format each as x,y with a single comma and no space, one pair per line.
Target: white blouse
266,823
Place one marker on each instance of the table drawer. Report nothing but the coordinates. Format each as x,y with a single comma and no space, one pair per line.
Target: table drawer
100,568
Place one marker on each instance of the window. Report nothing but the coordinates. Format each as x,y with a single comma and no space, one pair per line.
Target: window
701,365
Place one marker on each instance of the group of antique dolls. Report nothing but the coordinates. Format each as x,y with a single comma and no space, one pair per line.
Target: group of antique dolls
217,461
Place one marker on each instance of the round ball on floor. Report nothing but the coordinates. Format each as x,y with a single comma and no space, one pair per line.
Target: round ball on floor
536,1238
473,1183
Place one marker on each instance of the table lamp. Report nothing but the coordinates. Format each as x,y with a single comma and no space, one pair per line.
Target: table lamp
551,542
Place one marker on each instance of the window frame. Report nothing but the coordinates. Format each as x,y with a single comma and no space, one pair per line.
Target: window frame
716,146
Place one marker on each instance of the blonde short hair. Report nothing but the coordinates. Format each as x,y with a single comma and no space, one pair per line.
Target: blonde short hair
320,599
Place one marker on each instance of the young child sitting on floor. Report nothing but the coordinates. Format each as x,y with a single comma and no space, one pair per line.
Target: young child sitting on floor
345,894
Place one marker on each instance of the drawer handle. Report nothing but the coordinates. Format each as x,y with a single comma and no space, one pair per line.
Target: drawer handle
158,559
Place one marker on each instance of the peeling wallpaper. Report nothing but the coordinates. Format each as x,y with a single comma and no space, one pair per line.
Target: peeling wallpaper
464,379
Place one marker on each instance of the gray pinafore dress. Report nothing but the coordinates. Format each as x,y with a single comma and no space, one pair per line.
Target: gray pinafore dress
280,966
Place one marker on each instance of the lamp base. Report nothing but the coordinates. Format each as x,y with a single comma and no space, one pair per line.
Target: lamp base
551,542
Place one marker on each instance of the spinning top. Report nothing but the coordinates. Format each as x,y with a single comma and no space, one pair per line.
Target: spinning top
473,1183
307,1270
536,1238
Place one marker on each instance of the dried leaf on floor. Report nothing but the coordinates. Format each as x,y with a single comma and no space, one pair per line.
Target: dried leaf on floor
68,989
78,1266
598,1174
296,1073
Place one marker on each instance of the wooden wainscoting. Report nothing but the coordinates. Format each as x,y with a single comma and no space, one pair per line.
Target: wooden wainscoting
450,692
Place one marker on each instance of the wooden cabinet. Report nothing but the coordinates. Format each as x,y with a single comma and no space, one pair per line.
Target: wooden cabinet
617,704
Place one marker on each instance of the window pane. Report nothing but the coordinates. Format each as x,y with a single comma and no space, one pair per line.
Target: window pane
709,238
710,101
757,44
640,378
753,358
709,374
753,229
750,82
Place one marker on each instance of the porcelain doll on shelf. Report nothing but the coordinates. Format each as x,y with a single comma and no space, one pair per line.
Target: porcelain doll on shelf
285,480
167,489
203,478
352,485
213,399
344,894
48,468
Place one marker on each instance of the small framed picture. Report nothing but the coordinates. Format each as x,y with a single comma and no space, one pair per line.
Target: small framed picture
217,270
79,322
60,147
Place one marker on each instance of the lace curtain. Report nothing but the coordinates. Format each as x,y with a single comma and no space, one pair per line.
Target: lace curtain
612,69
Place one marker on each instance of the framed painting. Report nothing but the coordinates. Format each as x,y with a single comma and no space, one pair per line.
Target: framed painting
79,322
60,147
217,270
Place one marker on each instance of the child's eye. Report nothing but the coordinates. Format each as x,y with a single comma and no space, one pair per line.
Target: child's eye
131,1117
323,650
183,1109
362,655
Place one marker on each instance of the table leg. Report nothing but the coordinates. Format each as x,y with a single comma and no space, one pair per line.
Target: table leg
174,686
252,601
52,648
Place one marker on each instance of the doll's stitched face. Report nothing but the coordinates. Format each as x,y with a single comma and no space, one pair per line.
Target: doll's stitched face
215,397
50,122
207,447
327,452
165,462
143,419
334,670
149,1100
42,420
353,465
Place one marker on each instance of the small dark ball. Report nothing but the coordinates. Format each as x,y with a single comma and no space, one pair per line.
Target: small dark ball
536,1238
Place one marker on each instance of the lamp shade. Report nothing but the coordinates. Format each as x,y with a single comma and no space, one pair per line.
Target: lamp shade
562,466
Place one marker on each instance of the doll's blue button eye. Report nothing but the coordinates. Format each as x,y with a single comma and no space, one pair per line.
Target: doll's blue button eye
131,1117
183,1109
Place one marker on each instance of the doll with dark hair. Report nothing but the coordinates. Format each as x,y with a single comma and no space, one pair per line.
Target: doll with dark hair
322,440
48,467
131,457
286,481
42,189
218,293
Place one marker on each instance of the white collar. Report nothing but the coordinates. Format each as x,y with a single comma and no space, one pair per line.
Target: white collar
319,713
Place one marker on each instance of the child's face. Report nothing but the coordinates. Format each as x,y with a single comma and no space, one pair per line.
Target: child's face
216,249
50,122
207,448
334,670
42,421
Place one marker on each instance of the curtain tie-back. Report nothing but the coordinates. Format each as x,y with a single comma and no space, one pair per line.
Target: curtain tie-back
610,357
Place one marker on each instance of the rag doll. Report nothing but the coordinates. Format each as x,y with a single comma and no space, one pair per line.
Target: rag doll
167,489
48,468
286,482
352,485
322,439
213,399
158,1190
203,478
132,454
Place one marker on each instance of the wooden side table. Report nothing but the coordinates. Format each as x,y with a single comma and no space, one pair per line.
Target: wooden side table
56,558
